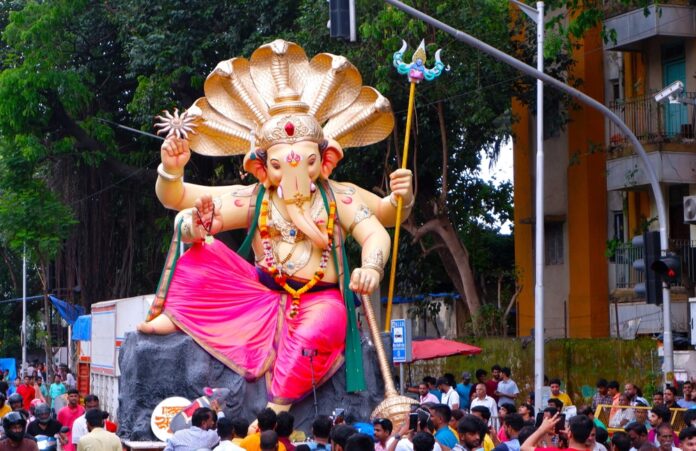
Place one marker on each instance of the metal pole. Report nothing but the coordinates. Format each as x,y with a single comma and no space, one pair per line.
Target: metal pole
401,379
539,222
351,15
584,98
24,309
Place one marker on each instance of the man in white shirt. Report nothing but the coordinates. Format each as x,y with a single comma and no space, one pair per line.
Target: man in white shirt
481,399
507,390
79,427
225,430
449,394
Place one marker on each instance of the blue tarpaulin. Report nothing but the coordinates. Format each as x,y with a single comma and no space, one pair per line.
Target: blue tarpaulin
68,312
82,329
9,363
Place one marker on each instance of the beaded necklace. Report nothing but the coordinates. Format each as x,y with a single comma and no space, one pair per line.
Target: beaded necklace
270,260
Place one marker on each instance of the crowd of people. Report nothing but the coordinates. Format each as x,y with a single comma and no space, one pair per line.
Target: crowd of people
38,417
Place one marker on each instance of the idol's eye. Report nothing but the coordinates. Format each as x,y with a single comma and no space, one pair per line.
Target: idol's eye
275,164
312,159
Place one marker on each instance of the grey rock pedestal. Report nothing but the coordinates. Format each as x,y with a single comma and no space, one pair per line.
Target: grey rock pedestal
157,367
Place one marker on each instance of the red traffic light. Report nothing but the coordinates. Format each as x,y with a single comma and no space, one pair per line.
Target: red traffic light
668,268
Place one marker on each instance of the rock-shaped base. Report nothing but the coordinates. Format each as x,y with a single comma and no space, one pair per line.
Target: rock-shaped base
157,367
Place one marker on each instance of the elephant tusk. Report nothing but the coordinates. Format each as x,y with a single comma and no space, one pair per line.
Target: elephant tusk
403,48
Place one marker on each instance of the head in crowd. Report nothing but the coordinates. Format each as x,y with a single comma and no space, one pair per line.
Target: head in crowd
481,375
95,418
430,381
637,434
360,442
204,418
303,447
443,384
555,385
321,428
505,372
466,377
687,438
690,417
624,400
471,431
641,415
383,428
457,415
550,411
659,415
482,412
601,436
580,429
17,382
665,436
505,409
225,429
669,395
630,390
495,371
601,386
687,389
556,403
451,381
513,424
586,410
73,397
440,414
658,398
2,400
43,413
267,419
91,402
241,427
527,411
525,433
285,424
14,425
423,389
620,442
481,391
340,435
612,388
423,441
16,401
269,441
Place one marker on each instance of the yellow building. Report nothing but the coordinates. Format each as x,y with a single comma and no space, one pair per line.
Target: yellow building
595,188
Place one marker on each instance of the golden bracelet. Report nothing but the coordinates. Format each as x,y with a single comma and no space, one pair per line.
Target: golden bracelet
166,175
379,270
396,205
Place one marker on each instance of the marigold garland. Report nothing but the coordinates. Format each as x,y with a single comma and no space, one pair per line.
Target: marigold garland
269,258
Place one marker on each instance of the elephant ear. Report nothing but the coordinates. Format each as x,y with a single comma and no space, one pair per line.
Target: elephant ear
330,158
256,166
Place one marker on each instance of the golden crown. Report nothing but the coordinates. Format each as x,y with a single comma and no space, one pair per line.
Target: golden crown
279,96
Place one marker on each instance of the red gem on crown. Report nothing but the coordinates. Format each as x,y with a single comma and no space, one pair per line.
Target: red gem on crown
289,129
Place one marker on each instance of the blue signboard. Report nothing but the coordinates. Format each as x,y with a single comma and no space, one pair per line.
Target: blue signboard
401,340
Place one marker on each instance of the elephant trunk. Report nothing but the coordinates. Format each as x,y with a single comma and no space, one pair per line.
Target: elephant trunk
300,214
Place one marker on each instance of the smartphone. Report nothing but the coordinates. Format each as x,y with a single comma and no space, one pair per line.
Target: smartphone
413,421
539,420
560,426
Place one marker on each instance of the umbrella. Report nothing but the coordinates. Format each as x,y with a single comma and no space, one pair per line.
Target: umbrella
441,347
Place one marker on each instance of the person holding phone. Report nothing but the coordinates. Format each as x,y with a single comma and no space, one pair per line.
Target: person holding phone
577,432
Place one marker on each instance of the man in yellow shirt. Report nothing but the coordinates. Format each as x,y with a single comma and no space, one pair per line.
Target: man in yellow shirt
4,408
98,438
556,392
267,422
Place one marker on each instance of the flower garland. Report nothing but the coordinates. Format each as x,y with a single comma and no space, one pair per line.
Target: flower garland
270,260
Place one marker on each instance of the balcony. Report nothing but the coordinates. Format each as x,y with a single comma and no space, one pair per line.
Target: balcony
633,28
625,277
666,132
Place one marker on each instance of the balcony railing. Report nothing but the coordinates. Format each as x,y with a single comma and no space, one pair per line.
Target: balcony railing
615,7
652,122
626,254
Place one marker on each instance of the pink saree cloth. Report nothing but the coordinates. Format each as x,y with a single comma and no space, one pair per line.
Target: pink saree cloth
215,296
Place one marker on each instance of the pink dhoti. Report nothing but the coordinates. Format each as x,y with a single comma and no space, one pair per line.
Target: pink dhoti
216,297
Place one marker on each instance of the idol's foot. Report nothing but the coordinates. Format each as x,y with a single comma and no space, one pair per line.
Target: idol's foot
161,325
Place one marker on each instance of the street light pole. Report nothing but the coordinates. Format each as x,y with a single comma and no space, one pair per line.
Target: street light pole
650,173
24,308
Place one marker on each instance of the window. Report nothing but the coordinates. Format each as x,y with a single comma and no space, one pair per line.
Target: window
553,242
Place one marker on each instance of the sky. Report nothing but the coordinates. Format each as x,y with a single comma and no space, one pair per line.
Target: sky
501,171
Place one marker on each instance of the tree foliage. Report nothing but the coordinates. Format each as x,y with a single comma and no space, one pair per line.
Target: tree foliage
79,191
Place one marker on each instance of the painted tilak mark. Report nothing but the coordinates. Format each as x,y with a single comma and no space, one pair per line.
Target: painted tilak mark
293,158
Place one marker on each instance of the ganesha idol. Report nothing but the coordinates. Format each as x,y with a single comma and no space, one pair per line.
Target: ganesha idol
292,119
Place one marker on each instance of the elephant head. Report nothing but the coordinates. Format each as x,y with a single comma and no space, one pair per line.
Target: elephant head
293,169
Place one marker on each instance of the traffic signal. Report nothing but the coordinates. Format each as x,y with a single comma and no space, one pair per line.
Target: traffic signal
651,289
342,19
668,268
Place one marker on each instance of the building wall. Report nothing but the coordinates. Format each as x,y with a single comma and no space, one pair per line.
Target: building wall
576,291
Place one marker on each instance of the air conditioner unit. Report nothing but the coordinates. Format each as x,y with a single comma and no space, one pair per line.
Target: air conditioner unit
690,209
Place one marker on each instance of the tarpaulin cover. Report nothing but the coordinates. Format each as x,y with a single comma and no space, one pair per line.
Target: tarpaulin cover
82,329
441,347
68,312
9,363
